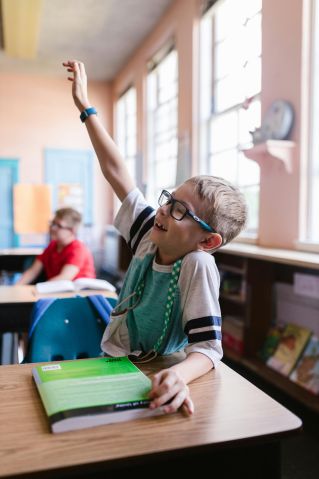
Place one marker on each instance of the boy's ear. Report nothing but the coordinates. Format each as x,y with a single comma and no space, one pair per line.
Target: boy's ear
213,241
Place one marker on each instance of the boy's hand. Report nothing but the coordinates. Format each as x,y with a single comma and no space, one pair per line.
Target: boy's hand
167,386
79,83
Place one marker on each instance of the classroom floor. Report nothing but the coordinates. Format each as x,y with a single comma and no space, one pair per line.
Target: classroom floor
300,457
300,453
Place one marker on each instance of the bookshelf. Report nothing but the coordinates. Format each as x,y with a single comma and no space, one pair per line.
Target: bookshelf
258,270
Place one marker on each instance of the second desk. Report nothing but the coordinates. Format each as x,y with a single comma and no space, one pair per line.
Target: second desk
16,303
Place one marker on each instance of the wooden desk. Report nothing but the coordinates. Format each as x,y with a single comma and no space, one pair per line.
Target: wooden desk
236,428
16,303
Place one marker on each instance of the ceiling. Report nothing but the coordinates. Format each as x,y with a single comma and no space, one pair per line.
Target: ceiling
101,33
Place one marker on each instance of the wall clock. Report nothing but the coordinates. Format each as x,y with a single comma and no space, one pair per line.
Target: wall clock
278,121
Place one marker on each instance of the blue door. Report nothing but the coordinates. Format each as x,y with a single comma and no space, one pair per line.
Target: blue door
71,167
9,174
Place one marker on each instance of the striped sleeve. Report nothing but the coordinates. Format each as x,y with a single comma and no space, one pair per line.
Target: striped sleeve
134,219
199,283
203,329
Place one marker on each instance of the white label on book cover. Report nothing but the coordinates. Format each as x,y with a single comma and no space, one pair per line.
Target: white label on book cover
51,367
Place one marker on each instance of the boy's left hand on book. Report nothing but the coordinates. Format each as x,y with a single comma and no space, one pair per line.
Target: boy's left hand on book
170,392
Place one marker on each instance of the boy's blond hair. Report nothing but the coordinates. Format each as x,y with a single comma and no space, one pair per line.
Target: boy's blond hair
224,206
72,216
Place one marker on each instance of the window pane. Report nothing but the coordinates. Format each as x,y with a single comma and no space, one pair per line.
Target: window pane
252,34
225,165
151,91
249,120
165,171
162,126
229,91
248,171
126,128
226,20
223,133
131,146
251,7
252,199
225,62
252,78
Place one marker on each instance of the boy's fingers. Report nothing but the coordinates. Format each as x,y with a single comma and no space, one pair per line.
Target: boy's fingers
187,408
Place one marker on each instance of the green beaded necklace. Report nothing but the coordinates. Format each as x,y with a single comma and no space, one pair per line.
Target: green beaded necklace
148,356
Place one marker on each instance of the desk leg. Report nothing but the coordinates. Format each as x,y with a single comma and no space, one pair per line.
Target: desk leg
15,316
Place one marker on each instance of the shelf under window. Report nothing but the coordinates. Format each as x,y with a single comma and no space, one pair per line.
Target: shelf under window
274,150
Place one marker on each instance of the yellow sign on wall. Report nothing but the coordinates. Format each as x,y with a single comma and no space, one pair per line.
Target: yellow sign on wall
32,207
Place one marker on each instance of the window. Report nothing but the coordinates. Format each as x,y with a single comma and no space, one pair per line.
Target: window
162,126
311,235
126,129
230,86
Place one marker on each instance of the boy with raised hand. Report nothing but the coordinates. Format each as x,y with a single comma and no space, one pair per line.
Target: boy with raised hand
169,300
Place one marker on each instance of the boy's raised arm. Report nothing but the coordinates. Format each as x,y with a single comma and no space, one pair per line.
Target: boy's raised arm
111,162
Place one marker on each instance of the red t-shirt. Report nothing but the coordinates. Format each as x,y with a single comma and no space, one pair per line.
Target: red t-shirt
75,253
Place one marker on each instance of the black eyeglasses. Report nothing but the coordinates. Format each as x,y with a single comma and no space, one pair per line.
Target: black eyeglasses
55,224
178,210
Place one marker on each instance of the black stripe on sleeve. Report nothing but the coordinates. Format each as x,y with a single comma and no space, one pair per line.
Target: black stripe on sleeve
204,336
148,225
138,222
203,322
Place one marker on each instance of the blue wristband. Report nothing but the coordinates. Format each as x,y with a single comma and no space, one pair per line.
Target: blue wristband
87,112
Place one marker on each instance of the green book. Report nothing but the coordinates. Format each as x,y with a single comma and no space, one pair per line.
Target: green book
89,392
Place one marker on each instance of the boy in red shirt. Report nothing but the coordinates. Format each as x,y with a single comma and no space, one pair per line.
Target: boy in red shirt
65,257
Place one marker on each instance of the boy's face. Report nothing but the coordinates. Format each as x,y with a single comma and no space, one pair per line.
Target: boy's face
60,230
176,238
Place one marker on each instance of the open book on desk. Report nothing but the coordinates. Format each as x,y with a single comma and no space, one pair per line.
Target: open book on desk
84,393
63,285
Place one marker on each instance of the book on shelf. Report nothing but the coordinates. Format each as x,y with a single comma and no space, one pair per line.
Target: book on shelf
306,372
271,342
63,285
84,393
290,346
233,333
232,283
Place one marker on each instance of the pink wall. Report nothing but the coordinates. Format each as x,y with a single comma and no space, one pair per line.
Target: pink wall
39,114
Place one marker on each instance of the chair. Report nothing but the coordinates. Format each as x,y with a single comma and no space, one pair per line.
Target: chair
67,328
